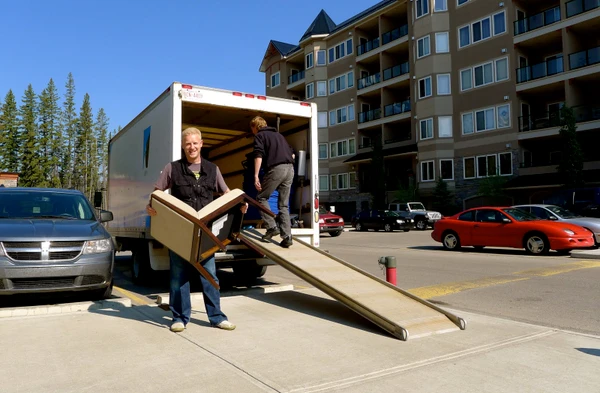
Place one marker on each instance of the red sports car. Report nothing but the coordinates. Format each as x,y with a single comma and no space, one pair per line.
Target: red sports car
509,227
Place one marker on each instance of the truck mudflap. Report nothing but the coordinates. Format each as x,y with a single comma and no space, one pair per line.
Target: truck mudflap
399,312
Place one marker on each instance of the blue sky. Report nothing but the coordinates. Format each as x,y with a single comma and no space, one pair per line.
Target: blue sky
124,53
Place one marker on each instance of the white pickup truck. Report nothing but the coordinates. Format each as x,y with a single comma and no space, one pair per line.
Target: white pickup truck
422,217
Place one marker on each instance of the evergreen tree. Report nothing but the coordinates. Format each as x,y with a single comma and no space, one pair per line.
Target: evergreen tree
31,174
571,164
377,165
443,199
50,138
84,158
10,147
69,129
101,130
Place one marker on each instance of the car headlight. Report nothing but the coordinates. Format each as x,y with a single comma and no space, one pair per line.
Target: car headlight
569,232
321,221
97,246
399,221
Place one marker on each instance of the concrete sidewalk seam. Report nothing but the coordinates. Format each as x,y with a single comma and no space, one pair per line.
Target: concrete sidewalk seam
54,309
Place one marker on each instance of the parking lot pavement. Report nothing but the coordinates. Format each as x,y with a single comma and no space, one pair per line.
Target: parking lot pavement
288,341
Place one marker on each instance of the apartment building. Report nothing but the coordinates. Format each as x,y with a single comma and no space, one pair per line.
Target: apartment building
453,89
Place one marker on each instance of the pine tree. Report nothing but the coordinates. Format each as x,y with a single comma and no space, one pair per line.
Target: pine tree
443,199
378,175
571,164
84,141
11,134
69,128
101,130
31,175
50,138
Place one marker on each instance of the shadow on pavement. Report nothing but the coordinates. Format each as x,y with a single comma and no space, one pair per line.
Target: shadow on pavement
496,251
589,351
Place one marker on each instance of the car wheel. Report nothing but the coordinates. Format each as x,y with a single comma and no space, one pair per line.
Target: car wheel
420,224
406,230
387,228
536,244
359,227
335,234
450,241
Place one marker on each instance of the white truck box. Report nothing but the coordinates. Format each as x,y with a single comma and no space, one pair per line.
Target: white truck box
139,152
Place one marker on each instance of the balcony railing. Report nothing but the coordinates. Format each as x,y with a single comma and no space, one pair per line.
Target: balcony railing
371,115
368,81
538,20
395,71
396,108
543,120
584,58
577,7
585,113
395,34
407,136
367,47
296,77
540,70
366,145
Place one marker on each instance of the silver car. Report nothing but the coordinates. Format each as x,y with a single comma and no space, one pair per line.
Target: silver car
557,213
52,240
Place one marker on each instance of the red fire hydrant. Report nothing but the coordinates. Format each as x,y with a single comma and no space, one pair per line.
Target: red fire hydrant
390,268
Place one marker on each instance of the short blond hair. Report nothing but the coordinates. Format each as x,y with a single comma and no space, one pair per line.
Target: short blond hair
258,122
190,131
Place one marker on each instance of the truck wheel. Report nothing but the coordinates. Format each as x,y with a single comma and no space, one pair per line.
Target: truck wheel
140,265
335,234
248,272
420,224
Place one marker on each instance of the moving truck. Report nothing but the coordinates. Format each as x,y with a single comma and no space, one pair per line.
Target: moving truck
138,153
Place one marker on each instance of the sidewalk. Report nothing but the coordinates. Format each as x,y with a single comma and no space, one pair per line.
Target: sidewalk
290,341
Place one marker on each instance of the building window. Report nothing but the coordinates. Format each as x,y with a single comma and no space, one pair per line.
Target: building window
499,23
447,169
275,80
423,47
502,69
461,2
466,79
322,151
341,82
341,148
352,180
333,183
443,84
351,146
310,91
442,42
467,123
340,50
485,120
483,74
505,164
321,88
309,60
427,171
323,182
503,113
321,60
342,181
425,87
469,168
422,8
486,165
440,5
341,115
426,129
445,126
331,86
464,36
322,116
482,30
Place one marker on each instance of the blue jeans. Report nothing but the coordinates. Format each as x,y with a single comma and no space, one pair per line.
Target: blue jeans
180,301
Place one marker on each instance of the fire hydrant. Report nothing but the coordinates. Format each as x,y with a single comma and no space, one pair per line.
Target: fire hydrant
390,268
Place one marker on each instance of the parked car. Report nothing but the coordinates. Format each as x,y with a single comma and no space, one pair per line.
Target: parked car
52,240
509,227
330,223
416,212
557,213
381,219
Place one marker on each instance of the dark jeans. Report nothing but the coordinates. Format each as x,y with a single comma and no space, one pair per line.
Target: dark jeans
280,178
179,295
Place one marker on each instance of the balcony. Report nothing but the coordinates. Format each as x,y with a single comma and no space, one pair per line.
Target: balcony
584,58
367,47
296,77
540,70
407,136
368,81
395,34
577,7
583,113
537,21
395,71
373,114
396,108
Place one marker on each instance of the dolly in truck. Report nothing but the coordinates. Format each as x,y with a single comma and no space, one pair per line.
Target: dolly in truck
140,151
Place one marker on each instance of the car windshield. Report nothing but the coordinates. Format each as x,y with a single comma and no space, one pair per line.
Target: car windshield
44,205
562,212
520,215
416,206
388,213
322,210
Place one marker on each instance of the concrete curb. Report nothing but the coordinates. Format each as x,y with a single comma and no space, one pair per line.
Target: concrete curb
589,254
54,309
197,296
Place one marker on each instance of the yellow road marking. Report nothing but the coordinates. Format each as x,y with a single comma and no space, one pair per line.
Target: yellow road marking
135,298
456,287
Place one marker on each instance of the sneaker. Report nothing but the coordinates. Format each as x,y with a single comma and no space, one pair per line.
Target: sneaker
225,325
286,242
270,233
177,327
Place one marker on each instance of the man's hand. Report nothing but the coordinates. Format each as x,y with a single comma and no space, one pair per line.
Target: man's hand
150,210
244,208
257,183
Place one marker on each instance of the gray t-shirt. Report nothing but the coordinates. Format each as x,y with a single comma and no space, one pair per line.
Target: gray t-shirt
164,180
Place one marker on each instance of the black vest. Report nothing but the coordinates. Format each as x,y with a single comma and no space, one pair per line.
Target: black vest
184,186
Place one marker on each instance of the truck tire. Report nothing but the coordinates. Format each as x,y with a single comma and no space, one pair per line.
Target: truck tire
248,272
335,234
420,224
140,265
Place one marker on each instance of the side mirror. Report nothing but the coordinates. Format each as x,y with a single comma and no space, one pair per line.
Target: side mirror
552,218
105,216
506,220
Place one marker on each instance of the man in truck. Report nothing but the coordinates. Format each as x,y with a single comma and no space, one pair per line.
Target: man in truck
193,180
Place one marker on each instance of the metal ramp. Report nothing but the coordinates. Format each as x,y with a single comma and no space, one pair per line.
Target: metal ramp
400,313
